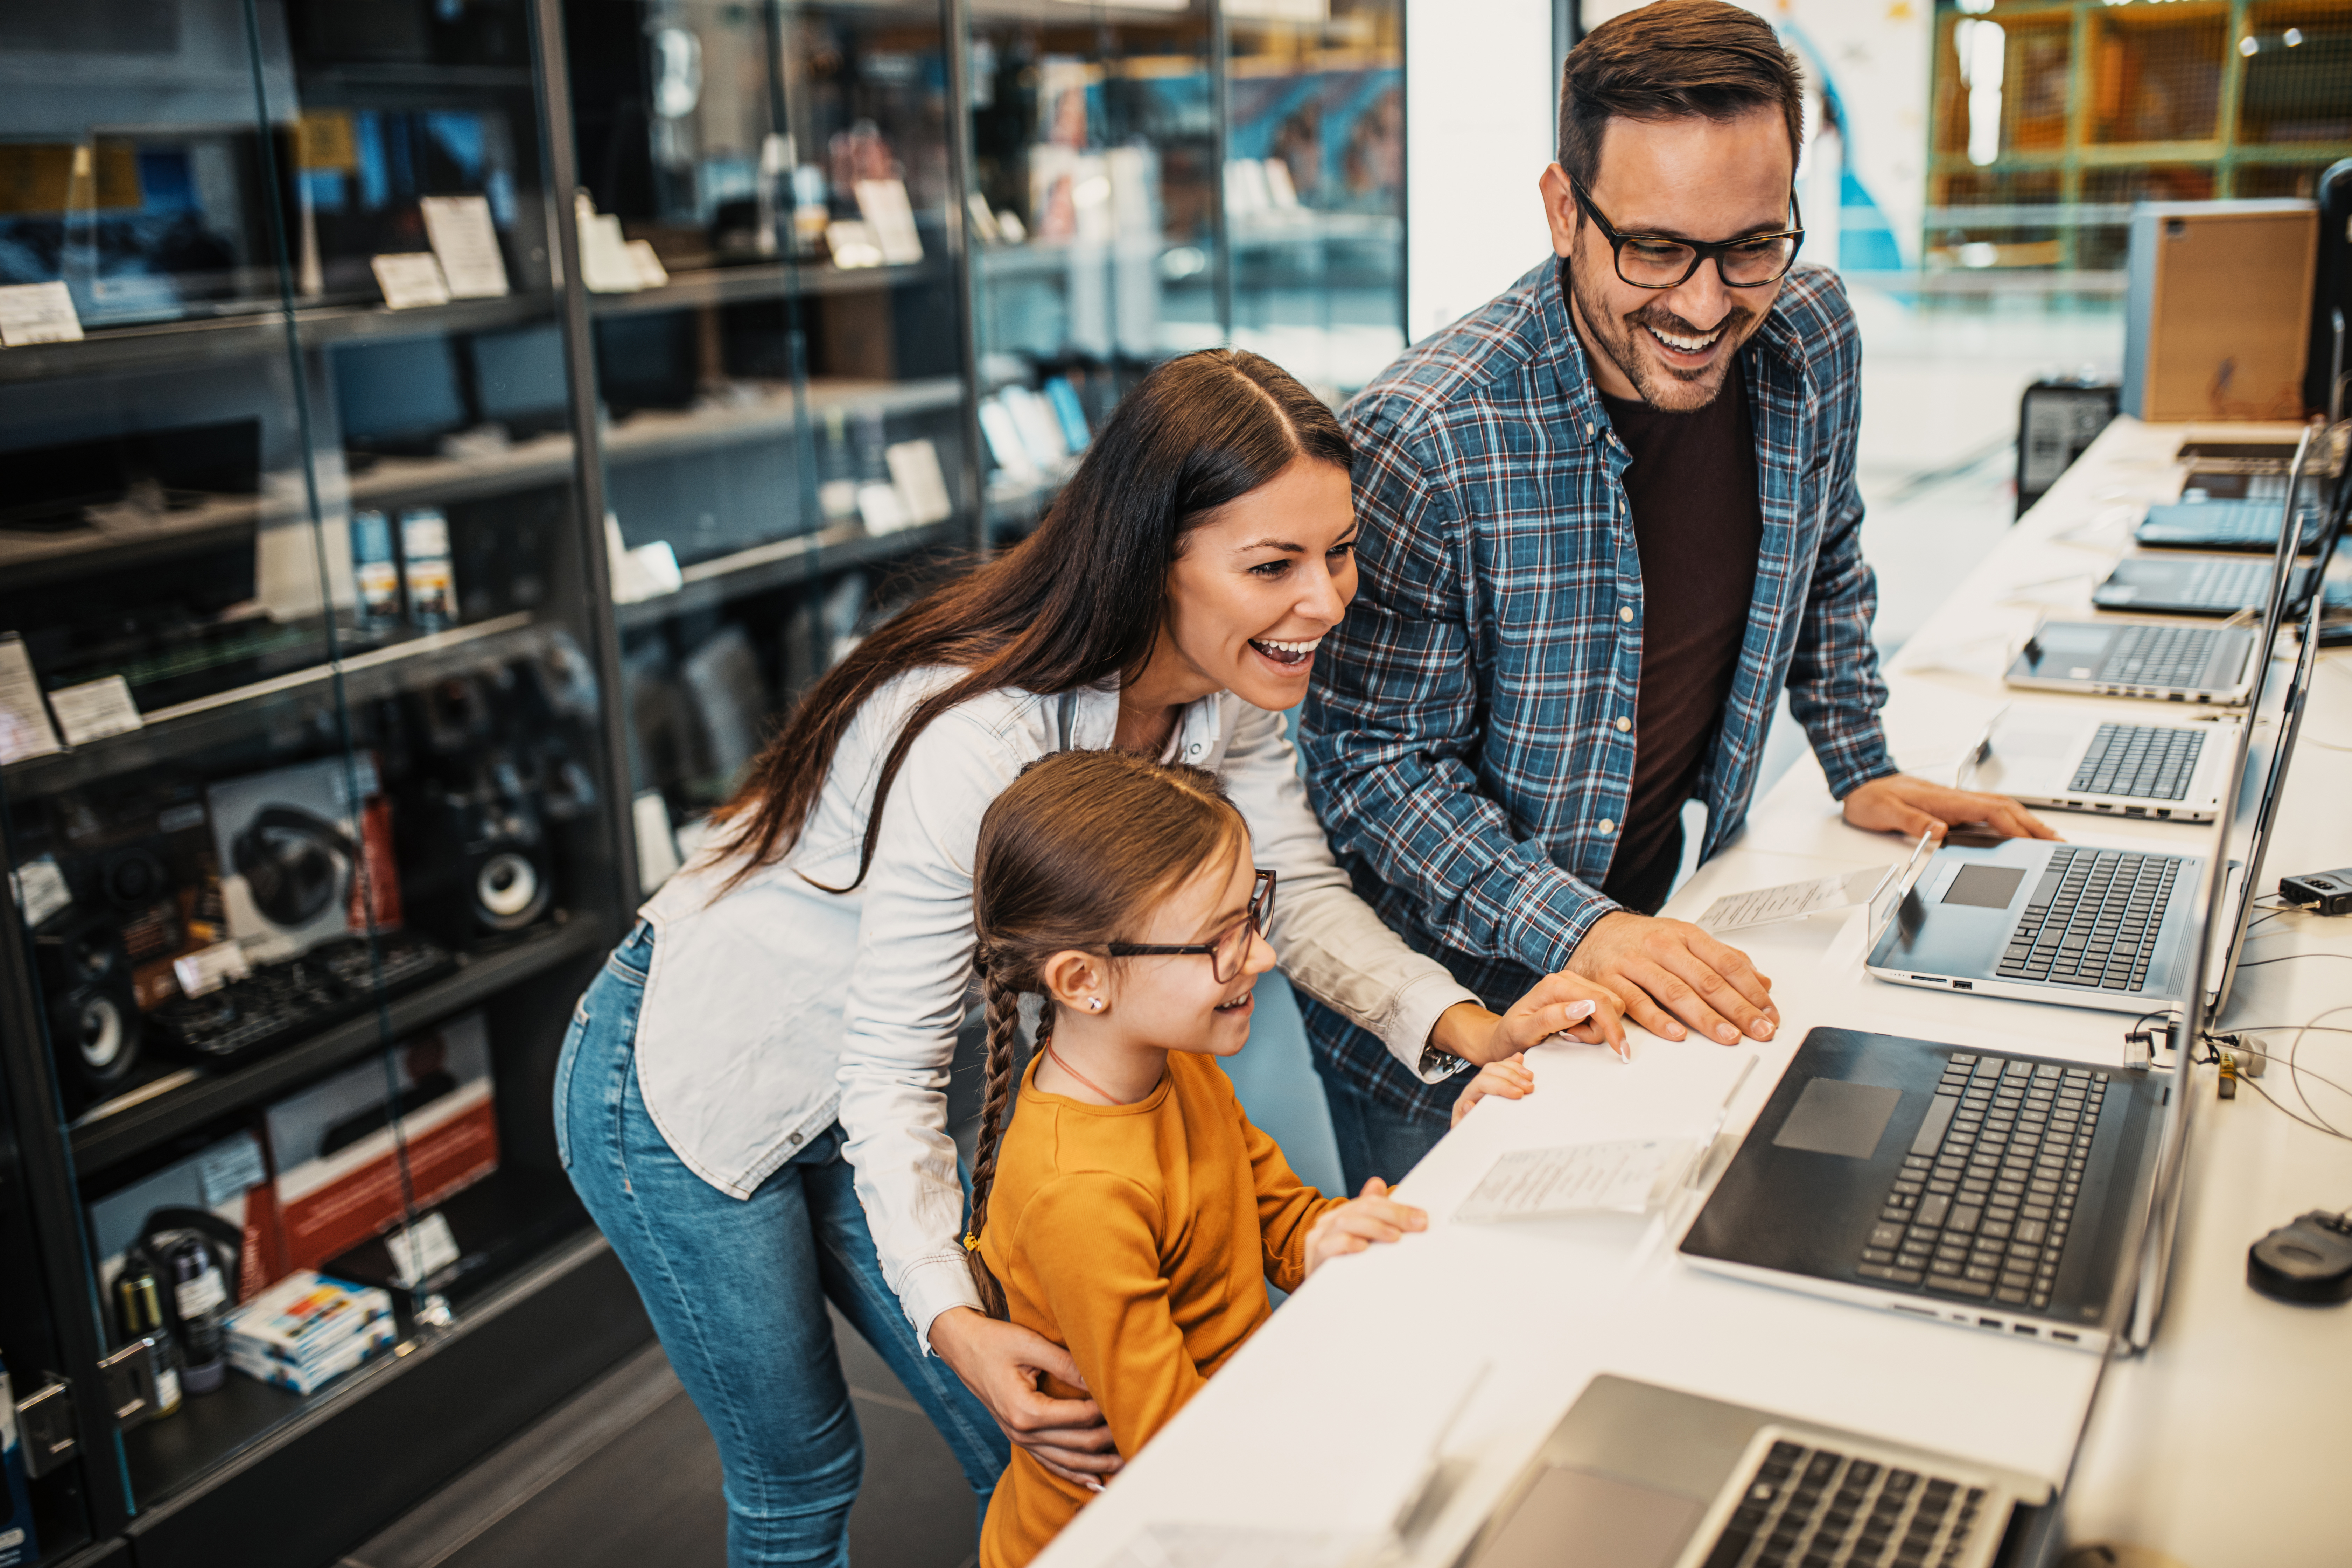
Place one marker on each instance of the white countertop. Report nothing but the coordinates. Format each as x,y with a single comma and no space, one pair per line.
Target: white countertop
1483,1335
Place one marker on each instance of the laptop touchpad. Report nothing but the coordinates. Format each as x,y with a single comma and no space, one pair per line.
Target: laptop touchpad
1834,1117
1988,887
1571,1518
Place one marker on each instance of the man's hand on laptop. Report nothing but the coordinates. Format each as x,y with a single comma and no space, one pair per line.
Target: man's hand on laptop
1901,803
1671,973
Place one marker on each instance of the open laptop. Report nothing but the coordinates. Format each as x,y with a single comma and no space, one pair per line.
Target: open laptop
2250,525
1636,1476
2217,585
2168,662
2057,758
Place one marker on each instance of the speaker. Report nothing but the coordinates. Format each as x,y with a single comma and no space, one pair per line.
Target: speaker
481,869
95,1025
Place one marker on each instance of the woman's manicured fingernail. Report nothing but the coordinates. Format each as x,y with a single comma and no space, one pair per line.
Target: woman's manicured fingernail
1583,1009
1763,1028
1727,1034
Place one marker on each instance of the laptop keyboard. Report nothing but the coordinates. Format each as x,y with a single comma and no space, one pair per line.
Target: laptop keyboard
2092,918
2157,655
2225,583
1985,1194
1806,1507
2145,761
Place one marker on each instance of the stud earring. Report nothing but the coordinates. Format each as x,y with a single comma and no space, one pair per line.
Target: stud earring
1094,1003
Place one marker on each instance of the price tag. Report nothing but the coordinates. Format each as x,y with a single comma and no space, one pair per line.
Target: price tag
466,245
25,731
41,890
37,313
206,970
423,1250
410,280
230,1171
646,263
95,709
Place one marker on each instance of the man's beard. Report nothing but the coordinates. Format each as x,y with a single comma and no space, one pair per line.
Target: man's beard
1679,392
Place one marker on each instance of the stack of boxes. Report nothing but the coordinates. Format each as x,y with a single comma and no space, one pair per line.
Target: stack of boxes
307,1330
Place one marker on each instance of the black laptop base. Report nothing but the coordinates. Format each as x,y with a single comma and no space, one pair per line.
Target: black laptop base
1907,1169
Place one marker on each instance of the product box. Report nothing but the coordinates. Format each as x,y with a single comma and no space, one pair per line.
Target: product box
18,1545
337,1168
290,843
308,1329
228,1177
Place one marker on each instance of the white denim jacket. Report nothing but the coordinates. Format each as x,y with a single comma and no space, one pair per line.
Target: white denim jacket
775,1007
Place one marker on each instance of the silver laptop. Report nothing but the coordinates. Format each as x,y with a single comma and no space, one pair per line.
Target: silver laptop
2168,661
1636,1476
2066,761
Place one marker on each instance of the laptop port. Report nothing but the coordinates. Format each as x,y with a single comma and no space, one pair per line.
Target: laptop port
1964,985
1991,1324
2101,806
1906,1306
2026,1329
2135,811
1931,980
2163,812
2067,1335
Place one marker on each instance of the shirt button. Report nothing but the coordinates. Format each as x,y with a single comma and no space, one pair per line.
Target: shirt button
794,1139
1588,427
1195,750
1623,724
1606,825
1625,613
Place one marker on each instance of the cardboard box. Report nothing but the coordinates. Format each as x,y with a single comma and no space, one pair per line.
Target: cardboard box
305,855
337,1168
2217,319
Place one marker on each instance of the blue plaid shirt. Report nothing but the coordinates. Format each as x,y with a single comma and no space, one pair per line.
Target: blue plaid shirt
1468,737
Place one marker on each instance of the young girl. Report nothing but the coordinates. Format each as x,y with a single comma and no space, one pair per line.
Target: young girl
1132,1213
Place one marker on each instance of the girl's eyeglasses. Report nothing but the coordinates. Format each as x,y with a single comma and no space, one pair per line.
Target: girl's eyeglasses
1230,950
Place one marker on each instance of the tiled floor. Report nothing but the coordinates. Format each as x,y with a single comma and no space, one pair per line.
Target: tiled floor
627,1474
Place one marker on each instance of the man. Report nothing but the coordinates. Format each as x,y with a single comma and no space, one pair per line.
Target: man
1605,520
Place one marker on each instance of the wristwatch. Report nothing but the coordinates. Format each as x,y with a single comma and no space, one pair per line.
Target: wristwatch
1436,1064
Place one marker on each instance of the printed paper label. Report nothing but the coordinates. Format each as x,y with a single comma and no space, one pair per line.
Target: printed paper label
95,709
37,313
466,245
410,280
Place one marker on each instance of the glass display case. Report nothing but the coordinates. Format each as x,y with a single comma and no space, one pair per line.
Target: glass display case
785,374
306,800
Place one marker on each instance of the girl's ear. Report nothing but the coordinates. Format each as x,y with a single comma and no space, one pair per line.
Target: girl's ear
1075,979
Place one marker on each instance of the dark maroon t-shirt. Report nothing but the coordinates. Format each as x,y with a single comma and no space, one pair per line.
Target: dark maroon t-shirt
1699,526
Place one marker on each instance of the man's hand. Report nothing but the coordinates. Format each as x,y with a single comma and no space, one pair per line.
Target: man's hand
1902,803
1667,970
1566,1005
999,1363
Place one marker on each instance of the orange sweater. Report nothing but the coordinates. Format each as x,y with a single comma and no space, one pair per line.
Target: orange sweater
1140,1237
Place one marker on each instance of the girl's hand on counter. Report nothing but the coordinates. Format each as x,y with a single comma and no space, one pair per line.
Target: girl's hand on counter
1510,1079
1363,1220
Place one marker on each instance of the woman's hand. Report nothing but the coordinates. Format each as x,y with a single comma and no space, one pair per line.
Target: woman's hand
1510,1079
1563,1004
999,1363
1360,1221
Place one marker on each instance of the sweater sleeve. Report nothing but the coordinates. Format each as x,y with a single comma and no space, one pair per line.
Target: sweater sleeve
1287,1207
1090,1242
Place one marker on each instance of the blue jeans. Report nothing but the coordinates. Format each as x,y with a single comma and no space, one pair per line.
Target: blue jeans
737,1290
1375,1137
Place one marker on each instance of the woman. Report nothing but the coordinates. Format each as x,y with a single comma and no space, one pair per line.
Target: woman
784,1013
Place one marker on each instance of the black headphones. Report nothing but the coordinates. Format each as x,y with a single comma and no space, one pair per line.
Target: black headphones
295,863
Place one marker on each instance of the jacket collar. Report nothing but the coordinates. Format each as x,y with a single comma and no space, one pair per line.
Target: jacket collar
1089,721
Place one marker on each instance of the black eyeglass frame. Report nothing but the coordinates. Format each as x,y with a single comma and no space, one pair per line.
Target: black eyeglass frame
1257,916
1701,249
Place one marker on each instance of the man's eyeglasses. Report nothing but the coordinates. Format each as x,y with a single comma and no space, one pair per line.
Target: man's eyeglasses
1657,261
1230,950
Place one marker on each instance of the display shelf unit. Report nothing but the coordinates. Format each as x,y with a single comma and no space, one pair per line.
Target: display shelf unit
354,571
2048,118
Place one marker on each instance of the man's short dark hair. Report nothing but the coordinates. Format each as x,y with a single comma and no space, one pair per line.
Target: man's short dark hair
1670,61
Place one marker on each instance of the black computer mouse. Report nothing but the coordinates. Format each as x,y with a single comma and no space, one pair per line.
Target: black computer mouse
2309,1261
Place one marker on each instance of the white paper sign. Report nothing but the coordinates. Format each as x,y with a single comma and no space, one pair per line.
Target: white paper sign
604,257
423,1250
466,244
883,509
206,970
410,280
37,313
40,888
95,709
646,263
1789,900
852,243
1631,1177
25,730
922,487
883,205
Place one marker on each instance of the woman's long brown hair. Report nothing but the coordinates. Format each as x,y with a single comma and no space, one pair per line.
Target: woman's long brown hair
1079,600
1071,857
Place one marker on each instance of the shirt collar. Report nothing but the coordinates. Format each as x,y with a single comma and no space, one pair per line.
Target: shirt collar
1094,722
